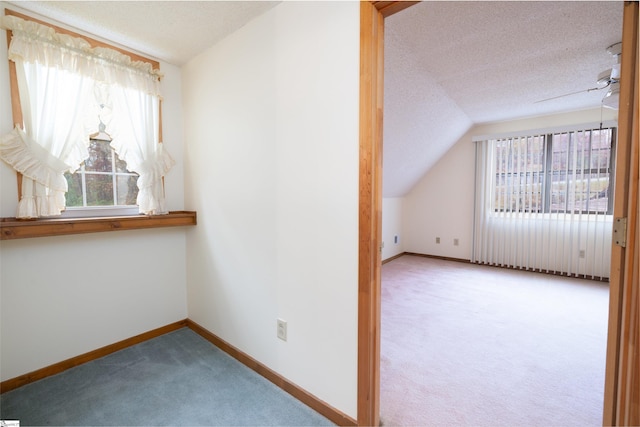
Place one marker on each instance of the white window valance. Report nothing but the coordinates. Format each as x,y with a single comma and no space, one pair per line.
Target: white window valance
36,43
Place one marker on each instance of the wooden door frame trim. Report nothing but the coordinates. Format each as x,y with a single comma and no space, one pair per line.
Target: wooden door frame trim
372,15
618,400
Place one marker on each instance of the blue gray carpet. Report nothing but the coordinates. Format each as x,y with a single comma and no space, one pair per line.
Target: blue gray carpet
173,380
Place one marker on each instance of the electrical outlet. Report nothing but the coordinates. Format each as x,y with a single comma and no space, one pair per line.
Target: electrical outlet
395,239
456,242
582,253
282,329
437,240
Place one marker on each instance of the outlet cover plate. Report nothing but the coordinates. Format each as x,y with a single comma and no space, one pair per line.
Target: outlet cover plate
282,329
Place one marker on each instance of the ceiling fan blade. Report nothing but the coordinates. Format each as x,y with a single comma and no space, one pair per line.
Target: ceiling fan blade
573,93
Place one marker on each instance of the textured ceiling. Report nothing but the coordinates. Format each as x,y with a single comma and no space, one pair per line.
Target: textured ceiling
449,65
172,31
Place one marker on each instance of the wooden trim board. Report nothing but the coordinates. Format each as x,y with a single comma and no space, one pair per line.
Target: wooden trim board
299,393
372,14
622,375
370,212
444,258
384,261
59,367
12,228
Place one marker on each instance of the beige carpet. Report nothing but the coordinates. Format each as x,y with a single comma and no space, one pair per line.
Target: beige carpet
468,345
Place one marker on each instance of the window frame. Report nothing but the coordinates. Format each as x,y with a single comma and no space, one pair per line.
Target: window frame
610,169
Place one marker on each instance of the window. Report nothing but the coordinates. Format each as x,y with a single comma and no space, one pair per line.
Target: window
543,201
64,82
564,172
102,180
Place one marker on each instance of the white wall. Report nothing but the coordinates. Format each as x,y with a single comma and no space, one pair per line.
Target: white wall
392,238
271,130
64,296
441,204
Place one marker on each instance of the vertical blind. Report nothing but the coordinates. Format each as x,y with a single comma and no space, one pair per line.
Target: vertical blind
544,201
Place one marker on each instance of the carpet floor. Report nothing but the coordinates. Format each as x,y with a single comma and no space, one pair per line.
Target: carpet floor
469,345
176,379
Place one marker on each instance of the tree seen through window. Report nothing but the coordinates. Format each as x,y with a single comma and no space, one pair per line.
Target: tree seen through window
102,180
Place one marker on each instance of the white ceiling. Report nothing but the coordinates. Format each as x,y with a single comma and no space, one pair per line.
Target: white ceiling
171,31
448,64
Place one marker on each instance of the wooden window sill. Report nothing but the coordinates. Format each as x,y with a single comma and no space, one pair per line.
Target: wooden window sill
12,228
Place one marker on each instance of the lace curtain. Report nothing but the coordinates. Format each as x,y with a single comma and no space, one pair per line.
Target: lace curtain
60,79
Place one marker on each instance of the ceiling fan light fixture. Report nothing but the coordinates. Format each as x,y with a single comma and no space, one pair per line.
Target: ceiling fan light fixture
615,72
605,76
612,98
615,49
611,75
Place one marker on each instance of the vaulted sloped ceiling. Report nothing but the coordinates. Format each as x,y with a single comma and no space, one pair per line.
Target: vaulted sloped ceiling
450,65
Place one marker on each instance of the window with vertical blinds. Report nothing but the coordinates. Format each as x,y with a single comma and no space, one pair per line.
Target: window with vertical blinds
544,201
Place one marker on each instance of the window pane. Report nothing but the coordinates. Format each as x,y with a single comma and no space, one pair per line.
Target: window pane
127,189
577,194
100,156
535,154
519,173
99,190
582,141
601,149
561,145
558,192
121,165
587,194
598,195
74,194
580,171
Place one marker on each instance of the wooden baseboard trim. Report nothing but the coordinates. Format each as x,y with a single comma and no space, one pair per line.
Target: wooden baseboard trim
444,258
384,261
302,395
56,368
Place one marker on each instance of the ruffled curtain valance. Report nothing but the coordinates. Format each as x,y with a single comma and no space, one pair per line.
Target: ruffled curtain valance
36,43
